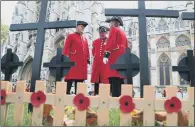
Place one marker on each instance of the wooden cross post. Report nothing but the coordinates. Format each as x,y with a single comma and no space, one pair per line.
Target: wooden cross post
40,27
59,65
127,65
9,64
142,13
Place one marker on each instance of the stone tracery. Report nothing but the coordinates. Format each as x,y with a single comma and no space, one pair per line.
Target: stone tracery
163,42
183,40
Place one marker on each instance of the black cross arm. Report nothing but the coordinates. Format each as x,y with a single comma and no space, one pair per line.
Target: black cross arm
58,65
181,68
23,27
12,65
161,13
135,66
60,24
122,12
47,25
188,16
137,12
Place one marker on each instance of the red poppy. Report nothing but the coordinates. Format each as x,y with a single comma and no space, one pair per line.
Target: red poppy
172,105
81,102
37,98
126,104
27,89
3,97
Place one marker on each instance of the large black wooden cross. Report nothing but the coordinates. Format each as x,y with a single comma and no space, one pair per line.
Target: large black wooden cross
59,65
187,70
40,27
127,65
142,13
187,16
9,64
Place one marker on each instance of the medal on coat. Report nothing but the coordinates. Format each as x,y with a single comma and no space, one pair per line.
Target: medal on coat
105,42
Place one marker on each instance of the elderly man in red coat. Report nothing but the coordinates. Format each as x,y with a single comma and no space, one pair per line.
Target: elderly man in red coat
98,67
76,48
116,46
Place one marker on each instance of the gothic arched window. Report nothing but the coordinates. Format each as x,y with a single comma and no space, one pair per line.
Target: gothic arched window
58,19
182,81
162,25
192,24
134,32
148,25
176,25
130,45
183,55
149,63
181,24
183,40
148,28
130,31
59,41
17,38
149,67
164,69
163,42
149,45
152,25
16,11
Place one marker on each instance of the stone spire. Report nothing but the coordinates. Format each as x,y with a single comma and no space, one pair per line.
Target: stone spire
190,6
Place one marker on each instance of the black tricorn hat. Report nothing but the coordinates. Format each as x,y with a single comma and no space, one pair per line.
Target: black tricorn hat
103,29
115,18
82,23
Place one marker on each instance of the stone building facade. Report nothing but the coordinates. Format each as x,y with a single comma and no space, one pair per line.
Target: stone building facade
168,38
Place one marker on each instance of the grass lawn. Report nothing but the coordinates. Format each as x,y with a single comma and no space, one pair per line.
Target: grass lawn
114,117
26,116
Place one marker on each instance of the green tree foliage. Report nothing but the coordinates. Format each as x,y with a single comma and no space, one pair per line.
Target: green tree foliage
4,32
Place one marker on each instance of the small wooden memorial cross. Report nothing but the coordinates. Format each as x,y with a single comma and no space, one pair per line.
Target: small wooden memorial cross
59,65
40,27
183,70
142,13
9,64
127,65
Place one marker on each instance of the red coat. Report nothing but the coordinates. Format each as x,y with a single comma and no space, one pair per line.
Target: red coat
98,67
76,48
116,46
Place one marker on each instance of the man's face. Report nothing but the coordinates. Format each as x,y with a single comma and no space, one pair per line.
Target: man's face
102,34
80,28
114,23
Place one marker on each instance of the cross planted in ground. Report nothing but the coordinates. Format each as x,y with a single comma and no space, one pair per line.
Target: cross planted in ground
127,65
190,57
9,64
59,65
187,69
41,26
142,13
